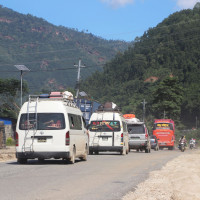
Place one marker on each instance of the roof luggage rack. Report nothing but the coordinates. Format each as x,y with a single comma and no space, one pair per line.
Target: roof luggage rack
108,106
66,97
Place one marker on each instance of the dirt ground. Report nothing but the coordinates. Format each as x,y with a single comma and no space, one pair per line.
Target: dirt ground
7,154
179,179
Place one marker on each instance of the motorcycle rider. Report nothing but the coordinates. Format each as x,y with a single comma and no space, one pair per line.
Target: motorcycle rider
192,143
182,139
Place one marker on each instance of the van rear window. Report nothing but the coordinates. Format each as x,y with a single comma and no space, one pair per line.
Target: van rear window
136,129
105,125
42,121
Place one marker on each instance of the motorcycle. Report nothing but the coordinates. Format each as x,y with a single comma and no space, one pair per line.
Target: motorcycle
192,146
182,146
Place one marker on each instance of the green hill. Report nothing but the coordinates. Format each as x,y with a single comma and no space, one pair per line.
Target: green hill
49,51
171,49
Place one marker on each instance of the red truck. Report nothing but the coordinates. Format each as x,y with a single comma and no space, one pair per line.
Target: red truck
164,130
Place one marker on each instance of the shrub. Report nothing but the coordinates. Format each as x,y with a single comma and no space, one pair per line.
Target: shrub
10,142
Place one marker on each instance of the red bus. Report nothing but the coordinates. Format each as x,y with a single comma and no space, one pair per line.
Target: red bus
164,130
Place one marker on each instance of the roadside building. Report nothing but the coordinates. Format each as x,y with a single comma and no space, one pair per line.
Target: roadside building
8,126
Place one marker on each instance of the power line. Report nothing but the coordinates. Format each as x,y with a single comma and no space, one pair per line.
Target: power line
48,70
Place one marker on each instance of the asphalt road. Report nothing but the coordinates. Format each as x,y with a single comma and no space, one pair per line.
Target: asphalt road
102,177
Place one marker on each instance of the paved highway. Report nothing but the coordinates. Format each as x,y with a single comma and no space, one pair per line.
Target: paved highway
102,177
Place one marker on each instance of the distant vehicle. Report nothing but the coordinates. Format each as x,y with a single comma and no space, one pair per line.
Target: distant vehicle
50,126
192,143
108,130
154,143
138,134
87,107
164,130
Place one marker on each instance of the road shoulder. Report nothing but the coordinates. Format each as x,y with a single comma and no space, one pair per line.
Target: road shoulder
7,154
179,179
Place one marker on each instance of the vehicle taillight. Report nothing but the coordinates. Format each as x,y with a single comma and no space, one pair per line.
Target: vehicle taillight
146,135
122,137
16,139
67,139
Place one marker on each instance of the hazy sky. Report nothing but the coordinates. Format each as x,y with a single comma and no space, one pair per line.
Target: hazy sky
109,19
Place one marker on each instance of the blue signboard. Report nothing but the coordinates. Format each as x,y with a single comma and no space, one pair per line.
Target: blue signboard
87,107
6,121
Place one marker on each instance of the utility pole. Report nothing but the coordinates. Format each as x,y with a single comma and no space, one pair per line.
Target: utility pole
144,103
21,68
196,122
78,77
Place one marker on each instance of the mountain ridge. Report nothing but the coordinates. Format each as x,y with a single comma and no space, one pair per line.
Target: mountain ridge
171,49
32,41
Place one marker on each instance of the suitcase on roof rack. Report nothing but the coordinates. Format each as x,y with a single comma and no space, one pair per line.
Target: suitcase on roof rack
55,95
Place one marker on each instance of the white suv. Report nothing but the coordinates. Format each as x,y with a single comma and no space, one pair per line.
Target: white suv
139,138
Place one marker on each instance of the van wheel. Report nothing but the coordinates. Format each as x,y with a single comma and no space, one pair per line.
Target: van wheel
127,150
73,156
84,158
90,152
123,151
22,160
41,160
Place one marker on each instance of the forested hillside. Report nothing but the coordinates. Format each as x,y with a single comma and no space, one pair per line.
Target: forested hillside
49,51
163,68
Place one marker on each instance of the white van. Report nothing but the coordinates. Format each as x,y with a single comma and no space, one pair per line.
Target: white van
50,128
108,132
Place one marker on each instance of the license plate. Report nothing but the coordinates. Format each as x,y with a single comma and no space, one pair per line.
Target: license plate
104,138
135,138
42,139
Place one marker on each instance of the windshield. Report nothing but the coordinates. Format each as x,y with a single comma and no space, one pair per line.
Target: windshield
45,121
163,126
136,129
105,125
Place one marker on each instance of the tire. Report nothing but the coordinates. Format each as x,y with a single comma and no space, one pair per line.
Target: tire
40,160
149,150
22,160
127,150
182,149
146,150
90,152
73,156
123,151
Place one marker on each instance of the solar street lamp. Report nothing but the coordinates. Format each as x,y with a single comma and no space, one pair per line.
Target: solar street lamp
21,68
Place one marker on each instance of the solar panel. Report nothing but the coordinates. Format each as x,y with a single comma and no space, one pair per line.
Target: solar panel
22,67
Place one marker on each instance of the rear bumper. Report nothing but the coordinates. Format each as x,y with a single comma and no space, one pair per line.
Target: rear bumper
165,144
43,155
137,144
106,148
153,146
